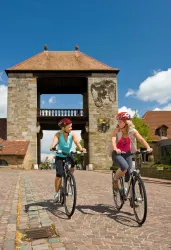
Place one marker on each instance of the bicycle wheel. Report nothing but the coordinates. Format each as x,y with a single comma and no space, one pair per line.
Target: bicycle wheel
118,195
139,200
70,194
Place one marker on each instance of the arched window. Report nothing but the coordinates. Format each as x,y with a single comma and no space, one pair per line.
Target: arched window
3,163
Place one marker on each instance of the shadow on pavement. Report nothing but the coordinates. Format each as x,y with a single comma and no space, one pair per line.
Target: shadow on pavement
109,211
48,205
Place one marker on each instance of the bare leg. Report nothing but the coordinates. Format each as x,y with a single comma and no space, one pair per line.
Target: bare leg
57,183
119,174
71,170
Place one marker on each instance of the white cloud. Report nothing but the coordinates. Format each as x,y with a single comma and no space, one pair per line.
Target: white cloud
130,92
47,141
52,99
156,109
155,88
3,101
43,102
166,108
1,73
129,110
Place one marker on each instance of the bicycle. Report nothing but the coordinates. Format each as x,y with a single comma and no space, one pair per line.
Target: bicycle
68,192
129,193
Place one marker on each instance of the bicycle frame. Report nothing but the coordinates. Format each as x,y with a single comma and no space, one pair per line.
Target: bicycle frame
134,173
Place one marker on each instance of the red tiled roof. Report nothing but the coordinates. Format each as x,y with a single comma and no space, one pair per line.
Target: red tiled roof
154,119
57,60
13,147
3,128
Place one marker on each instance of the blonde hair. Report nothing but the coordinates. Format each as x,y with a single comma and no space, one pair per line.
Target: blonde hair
129,126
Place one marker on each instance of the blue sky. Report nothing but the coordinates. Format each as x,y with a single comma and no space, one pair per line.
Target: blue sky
133,36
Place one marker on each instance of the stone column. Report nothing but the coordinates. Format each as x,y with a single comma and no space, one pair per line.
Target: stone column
84,132
22,112
103,106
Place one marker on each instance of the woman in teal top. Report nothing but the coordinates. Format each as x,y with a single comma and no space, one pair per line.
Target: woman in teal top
63,140
63,145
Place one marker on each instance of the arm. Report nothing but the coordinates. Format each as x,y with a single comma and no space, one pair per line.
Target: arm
75,139
142,141
55,141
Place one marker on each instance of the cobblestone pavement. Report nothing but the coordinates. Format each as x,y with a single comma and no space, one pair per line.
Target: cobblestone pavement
95,223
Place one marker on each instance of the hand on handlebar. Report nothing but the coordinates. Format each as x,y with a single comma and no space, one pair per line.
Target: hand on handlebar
118,151
84,150
149,150
52,149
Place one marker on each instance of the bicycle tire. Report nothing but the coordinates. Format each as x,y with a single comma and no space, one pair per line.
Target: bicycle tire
136,202
70,178
118,193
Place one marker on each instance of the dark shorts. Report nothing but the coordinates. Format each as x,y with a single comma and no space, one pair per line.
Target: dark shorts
59,162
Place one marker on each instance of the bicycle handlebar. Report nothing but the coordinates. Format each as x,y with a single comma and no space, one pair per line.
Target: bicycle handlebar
136,153
64,153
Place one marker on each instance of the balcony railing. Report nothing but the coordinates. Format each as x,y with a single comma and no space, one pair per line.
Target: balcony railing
60,112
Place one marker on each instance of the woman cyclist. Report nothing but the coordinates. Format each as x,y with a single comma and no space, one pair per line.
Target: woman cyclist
63,139
124,139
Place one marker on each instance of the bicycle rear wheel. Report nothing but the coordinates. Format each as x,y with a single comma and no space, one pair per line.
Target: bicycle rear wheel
139,200
70,194
118,195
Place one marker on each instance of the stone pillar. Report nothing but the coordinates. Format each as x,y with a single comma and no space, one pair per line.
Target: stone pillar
22,112
84,132
84,136
103,106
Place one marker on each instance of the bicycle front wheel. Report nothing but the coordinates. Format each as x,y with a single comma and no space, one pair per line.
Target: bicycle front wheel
70,194
118,195
139,200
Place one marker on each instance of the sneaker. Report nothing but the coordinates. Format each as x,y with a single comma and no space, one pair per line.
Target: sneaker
56,197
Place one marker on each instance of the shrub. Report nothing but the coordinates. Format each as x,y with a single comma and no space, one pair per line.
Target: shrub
164,166
114,168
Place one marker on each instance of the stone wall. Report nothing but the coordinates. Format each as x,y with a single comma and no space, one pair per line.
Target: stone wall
22,112
103,104
13,161
155,173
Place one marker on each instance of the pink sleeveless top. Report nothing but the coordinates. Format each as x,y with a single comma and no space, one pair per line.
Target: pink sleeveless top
124,144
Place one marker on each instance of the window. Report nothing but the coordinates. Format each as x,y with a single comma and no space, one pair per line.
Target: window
161,131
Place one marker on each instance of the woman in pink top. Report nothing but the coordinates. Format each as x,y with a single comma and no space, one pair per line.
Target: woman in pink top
124,140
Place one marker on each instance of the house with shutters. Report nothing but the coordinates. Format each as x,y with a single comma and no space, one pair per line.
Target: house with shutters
159,123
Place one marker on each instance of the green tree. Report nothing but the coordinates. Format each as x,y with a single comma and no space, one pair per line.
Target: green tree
142,128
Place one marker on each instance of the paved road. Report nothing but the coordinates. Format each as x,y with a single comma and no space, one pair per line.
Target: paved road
95,224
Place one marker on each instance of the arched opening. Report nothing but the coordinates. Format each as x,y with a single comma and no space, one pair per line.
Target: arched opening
3,163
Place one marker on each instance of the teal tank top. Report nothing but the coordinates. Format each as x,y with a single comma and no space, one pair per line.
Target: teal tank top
64,145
